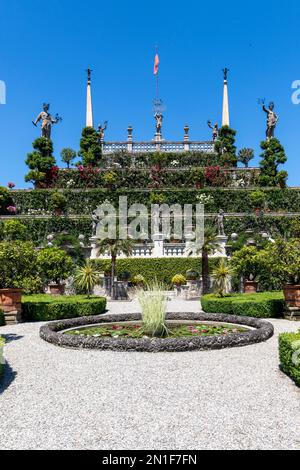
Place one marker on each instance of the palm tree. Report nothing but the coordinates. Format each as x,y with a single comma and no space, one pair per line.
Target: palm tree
86,277
245,155
222,276
209,245
114,247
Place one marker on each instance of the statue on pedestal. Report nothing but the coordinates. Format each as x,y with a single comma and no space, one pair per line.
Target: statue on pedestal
272,120
215,129
95,222
101,130
158,122
47,121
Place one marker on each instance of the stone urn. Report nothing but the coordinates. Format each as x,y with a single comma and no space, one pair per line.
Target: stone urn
10,303
250,287
57,289
292,295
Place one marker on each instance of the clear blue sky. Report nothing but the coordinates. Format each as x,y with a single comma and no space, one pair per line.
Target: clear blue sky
47,45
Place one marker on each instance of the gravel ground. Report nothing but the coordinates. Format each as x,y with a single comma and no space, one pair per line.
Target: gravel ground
55,398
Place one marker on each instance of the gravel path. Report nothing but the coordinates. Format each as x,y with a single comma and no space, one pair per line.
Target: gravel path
54,398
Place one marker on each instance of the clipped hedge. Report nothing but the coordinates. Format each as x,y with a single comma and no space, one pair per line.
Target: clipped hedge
2,342
289,353
162,269
261,305
45,307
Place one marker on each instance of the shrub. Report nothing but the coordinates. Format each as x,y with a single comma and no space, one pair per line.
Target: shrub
272,156
14,230
55,265
46,308
247,262
258,199
262,305
289,353
41,162
138,280
86,277
58,202
178,280
17,264
2,320
161,269
2,342
5,200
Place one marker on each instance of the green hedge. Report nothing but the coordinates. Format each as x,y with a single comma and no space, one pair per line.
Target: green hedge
84,201
39,228
261,305
2,320
162,269
289,353
2,342
46,307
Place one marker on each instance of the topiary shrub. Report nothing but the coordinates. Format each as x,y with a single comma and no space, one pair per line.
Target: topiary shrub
54,265
14,230
46,308
262,305
17,264
289,353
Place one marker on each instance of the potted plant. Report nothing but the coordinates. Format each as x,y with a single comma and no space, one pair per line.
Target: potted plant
17,265
247,263
283,258
139,281
178,281
55,265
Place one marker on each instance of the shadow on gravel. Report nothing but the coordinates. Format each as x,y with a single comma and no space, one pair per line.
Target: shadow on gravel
8,377
11,337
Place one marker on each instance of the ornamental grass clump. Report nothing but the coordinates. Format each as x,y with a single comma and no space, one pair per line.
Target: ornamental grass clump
153,303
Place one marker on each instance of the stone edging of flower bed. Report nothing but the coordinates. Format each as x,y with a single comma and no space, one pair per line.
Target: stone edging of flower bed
51,332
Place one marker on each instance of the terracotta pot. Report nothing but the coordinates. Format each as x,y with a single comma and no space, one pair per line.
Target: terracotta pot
10,300
292,295
57,289
250,287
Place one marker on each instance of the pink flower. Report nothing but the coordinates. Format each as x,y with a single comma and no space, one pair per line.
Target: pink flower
11,185
12,209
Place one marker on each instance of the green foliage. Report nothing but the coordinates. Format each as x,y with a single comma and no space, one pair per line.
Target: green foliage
2,343
160,269
262,305
283,260
1,318
40,161
258,199
54,264
5,200
225,147
71,245
272,156
17,264
245,155
289,353
14,230
153,303
90,148
86,277
58,202
178,280
247,262
138,280
68,155
46,308
222,276
110,178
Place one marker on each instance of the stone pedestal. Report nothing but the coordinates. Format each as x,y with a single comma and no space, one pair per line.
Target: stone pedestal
10,303
158,248
221,250
292,313
94,251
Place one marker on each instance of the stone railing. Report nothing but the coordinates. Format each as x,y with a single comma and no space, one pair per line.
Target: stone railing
159,146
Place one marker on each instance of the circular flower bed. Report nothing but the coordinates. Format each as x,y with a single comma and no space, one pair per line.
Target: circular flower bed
219,332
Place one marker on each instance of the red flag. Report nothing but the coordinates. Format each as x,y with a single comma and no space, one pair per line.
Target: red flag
156,64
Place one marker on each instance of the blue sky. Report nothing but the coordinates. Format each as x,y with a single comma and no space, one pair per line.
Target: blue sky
46,47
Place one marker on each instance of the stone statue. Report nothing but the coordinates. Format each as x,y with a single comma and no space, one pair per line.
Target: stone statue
158,119
95,222
225,71
215,129
220,223
47,121
272,120
101,130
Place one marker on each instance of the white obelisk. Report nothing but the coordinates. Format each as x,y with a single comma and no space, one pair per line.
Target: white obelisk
89,107
225,116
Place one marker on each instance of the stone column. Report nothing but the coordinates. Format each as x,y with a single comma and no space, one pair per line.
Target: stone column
225,116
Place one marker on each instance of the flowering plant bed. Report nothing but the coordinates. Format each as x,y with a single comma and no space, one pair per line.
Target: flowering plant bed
127,330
